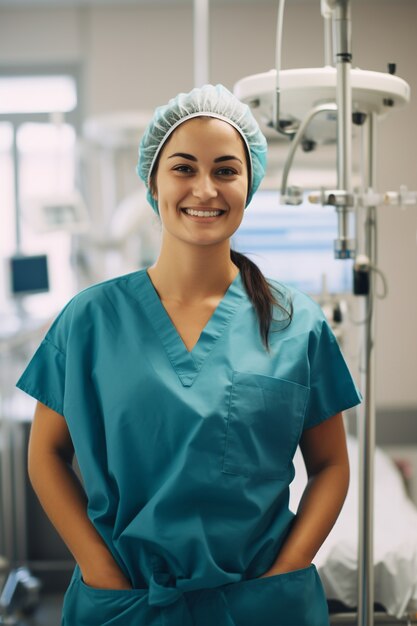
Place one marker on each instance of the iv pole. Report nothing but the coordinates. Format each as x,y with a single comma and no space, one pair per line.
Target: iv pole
345,248
337,13
366,411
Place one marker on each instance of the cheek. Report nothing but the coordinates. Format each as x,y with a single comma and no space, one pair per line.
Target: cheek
169,198
170,190
239,193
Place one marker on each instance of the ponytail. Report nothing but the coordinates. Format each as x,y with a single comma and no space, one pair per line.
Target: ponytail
260,293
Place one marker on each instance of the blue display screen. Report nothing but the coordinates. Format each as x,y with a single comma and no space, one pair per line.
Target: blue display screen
29,274
293,244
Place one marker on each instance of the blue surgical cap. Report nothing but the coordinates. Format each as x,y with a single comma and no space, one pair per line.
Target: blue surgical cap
212,101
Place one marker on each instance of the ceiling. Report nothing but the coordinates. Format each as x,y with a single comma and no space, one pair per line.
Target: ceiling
103,3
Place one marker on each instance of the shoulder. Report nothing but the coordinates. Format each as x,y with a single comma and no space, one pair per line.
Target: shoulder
306,312
106,296
89,304
104,291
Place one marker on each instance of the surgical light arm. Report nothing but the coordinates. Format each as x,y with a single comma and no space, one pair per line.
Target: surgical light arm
290,195
341,20
339,11
277,123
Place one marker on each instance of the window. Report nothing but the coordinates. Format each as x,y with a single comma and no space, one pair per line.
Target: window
46,159
8,226
37,94
38,120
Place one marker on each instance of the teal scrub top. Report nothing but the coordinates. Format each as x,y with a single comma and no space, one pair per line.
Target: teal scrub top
186,457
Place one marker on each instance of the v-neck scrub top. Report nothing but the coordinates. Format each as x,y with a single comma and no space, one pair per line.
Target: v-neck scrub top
186,457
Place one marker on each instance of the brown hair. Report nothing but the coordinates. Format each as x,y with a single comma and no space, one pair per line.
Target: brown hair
260,293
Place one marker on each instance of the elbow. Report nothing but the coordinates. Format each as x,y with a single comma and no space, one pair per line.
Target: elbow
347,476
34,467
50,446
341,478
43,463
338,475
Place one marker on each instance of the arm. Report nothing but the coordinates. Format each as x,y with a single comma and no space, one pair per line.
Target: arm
50,471
326,459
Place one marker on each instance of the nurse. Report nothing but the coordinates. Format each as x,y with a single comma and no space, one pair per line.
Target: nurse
184,389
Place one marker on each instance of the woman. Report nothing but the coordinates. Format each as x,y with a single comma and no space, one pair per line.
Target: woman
185,402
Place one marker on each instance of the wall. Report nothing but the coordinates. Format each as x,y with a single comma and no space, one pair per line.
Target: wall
139,56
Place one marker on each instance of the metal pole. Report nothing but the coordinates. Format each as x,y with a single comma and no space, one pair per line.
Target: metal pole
326,11
343,57
201,42
19,491
328,42
16,181
366,413
7,499
320,108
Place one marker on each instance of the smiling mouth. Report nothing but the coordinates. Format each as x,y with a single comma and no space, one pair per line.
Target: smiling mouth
203,212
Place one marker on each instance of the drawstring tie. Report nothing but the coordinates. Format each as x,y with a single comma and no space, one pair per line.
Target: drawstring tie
160,593
164,593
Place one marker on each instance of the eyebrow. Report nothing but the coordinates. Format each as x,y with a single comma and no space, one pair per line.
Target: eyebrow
228,157
190,157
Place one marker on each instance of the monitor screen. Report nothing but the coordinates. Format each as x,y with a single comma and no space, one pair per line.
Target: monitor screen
293,244
29,274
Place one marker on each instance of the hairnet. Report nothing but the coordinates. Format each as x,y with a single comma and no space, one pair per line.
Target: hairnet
213,101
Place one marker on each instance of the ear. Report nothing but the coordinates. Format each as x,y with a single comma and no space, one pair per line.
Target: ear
154,191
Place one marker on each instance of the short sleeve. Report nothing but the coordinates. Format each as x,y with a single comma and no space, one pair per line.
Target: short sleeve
332,388
44,376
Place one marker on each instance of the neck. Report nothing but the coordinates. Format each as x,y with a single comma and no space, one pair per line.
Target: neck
193,275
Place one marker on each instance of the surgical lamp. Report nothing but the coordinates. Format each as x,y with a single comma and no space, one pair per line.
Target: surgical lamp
290,100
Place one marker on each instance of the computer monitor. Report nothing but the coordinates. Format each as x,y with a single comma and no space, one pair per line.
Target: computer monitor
293,244
29,274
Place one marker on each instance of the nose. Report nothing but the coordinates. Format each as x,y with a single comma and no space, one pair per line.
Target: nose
204,187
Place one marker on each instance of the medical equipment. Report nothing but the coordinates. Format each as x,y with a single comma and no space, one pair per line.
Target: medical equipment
293,241
20,593
291,102
19,589
29,274
124,233
59,211
20,528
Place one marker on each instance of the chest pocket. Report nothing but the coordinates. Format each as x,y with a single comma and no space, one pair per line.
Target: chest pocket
264,425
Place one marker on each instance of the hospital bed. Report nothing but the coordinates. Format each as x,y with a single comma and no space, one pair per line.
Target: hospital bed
395,546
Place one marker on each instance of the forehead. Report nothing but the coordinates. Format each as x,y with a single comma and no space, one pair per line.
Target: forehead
205,133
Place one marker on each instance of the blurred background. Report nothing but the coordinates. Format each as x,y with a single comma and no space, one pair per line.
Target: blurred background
78,83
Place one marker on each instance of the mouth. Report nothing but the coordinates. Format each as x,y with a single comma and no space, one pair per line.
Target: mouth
203,214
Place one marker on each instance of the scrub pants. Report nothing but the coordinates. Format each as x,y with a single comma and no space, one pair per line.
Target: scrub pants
292,599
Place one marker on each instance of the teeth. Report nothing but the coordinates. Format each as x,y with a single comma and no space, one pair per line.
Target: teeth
202,213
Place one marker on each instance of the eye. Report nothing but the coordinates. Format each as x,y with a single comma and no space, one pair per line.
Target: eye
183,169
226,171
